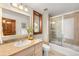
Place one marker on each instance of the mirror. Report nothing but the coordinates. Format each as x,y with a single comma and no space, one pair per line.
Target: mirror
9,26
37,23
14,23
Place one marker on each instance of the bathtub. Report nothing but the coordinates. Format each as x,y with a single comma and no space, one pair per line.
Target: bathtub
63,50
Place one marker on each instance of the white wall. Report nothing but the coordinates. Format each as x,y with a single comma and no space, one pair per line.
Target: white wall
1,25
45,26
0,21
20,18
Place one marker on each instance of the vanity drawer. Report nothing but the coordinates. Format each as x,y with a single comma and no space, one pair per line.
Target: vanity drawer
26,52
30,54
38,54
38,49
38,45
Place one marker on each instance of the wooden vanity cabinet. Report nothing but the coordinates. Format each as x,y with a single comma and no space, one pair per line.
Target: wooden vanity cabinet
38,49
35,50
26,52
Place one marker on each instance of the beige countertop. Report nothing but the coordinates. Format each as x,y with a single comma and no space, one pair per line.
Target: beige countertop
10,49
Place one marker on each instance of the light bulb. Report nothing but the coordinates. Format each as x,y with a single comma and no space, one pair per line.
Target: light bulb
8,22
25,9
14,4
4,21
21,7
53,22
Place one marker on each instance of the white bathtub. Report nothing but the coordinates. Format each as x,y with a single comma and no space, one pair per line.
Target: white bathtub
63,50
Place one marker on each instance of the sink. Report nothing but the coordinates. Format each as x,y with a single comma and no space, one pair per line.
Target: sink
22,43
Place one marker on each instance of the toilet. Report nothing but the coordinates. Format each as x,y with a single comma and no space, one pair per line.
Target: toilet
46,49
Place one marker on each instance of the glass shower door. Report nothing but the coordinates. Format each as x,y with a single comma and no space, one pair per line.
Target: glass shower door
55,30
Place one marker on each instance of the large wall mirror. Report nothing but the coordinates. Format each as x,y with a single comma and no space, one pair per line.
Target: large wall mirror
14,23
37,23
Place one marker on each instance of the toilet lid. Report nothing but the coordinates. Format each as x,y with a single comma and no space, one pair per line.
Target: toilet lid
46,46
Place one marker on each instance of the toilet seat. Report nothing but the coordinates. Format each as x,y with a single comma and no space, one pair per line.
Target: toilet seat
46,47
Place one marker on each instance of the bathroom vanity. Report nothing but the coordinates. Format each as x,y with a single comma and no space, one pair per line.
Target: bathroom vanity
32,49
14,25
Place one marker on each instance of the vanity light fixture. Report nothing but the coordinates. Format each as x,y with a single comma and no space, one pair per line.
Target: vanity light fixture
19,6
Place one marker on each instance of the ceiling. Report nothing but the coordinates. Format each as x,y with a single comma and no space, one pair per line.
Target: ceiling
54,8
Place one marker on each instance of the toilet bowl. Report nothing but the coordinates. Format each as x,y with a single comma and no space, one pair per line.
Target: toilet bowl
46,49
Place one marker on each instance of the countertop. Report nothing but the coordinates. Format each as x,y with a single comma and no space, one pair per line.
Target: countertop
8,49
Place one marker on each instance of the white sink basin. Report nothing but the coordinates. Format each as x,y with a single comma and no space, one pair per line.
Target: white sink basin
22,43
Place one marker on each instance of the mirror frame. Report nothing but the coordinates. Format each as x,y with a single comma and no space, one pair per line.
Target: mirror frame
40,22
